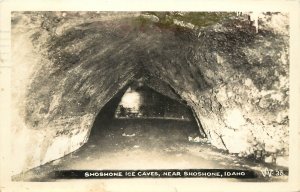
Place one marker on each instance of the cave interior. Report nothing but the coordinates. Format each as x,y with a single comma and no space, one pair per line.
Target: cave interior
228,77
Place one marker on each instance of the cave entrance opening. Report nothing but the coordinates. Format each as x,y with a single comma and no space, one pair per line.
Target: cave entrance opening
138,116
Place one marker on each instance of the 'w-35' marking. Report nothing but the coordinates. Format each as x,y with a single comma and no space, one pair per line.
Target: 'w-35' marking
271,172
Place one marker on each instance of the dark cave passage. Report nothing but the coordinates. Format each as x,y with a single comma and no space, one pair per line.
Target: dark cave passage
136,105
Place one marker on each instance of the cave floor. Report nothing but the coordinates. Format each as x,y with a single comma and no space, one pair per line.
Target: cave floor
126,144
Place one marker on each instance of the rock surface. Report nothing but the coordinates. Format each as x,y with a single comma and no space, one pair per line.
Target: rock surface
67,65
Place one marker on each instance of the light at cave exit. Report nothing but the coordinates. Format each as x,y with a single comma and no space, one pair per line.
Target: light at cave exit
131,99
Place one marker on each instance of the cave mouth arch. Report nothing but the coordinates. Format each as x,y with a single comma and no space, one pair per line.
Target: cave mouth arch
157,111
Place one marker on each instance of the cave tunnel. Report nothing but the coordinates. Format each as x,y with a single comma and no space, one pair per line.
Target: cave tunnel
141,111
207,105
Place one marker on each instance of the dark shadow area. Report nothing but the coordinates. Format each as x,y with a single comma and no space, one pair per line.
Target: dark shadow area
107,113
148,108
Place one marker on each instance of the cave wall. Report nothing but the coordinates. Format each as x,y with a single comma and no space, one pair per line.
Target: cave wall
58,94
236,80
234,77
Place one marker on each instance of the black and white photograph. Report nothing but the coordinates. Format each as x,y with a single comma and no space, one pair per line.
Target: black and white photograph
149,95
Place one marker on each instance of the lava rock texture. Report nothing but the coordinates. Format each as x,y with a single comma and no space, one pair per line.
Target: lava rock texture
68,65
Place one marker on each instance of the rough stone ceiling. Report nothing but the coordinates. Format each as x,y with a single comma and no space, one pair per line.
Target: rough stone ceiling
137,45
